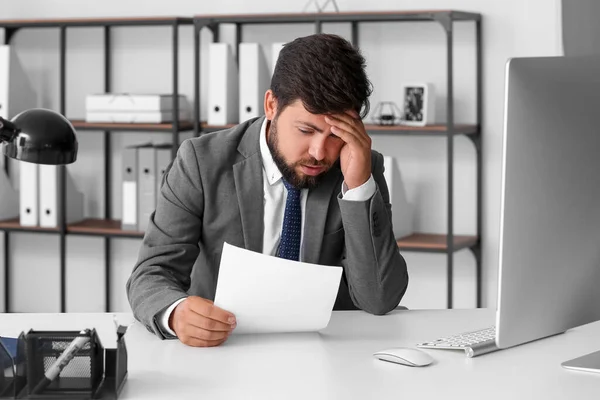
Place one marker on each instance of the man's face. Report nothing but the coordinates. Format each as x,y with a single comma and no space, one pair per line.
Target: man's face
302,145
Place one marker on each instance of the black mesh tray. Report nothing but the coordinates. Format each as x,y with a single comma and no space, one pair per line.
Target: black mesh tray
93,372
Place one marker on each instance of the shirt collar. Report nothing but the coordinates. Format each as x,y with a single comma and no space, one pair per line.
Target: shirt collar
271,170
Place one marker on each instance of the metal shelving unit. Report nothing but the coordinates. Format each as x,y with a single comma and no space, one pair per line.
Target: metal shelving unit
107,227
420,242
110,228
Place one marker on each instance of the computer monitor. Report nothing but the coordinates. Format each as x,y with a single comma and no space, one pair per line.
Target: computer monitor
549,258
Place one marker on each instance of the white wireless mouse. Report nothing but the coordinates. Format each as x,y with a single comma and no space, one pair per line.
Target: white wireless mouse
405,356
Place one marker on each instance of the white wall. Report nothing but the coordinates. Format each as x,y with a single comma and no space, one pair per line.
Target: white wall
395,53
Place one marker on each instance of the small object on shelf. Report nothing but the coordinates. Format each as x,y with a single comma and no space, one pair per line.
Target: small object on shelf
321,8
418,105
387,113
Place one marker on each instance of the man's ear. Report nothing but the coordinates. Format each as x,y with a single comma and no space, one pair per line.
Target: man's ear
270,105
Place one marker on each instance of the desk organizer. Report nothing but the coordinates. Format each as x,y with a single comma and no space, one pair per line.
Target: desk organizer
92,373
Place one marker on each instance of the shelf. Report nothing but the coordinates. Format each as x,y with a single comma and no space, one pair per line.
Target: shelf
15,226
85,22
112,228
424,242
89,226
165,127
429,130
101,227
376,16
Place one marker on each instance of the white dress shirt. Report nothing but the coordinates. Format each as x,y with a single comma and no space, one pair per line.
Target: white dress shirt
275,195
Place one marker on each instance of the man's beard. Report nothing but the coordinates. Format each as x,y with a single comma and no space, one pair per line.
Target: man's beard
288,170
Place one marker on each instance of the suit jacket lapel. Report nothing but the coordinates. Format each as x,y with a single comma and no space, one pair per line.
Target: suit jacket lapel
248,178
315,217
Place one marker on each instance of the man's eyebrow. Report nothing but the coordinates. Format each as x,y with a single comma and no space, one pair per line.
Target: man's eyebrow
310,125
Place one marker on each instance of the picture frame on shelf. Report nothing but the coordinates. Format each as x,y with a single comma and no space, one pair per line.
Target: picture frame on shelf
418,104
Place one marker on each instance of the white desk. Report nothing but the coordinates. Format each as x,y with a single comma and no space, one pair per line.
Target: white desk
338,363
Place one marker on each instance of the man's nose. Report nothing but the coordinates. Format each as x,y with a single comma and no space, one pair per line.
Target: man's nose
317,147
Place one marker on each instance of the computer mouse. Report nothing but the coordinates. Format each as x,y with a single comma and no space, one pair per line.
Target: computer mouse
405,356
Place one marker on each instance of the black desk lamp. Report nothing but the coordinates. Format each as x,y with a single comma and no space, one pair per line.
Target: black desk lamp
39,136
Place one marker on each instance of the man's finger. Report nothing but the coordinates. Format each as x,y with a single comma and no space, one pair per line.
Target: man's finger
203,343
202,334
211,311
344,126
344,118
202,322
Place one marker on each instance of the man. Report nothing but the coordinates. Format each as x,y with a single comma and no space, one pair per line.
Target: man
300,182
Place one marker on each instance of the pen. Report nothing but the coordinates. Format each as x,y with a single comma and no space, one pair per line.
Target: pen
62,361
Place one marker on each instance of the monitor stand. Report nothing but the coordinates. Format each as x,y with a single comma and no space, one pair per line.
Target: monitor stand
589,363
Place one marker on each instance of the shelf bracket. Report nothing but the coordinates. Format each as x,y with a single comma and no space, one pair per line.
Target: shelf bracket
476,250
445,20
8,34
214,28
476,139
201,24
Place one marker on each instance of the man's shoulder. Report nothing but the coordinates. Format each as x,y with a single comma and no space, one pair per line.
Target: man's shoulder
218,144
376,160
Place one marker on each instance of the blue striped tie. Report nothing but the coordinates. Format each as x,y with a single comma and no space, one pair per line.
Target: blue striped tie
289,245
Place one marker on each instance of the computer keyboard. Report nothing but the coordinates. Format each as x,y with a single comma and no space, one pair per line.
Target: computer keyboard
474,343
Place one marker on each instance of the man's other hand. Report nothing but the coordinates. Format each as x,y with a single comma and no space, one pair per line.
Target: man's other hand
199,323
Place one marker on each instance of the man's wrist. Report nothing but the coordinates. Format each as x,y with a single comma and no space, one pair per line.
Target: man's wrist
167,317
352,184
361,193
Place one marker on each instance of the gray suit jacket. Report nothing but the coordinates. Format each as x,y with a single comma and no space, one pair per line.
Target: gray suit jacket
212,192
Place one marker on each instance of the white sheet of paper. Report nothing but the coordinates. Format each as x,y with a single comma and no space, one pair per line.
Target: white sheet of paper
270,294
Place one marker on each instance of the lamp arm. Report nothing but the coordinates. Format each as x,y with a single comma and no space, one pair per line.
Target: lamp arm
8,130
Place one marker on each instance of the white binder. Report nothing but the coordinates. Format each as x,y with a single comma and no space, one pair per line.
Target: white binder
49,211
16,90
163,159
254,80
129,219
9,198
275,49
146,185
402,210
29,194
223,107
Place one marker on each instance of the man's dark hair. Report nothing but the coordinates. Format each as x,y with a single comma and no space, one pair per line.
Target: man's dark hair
325,72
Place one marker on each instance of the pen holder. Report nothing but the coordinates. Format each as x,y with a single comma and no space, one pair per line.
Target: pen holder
92,373
79,377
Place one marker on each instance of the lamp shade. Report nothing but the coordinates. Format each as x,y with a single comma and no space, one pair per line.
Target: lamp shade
42,136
